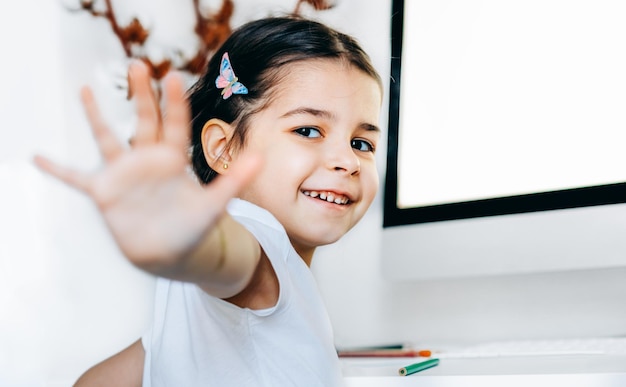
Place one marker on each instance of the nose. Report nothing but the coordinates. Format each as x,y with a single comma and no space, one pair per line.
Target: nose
342,158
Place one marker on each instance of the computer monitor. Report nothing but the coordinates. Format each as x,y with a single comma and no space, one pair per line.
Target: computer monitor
507,135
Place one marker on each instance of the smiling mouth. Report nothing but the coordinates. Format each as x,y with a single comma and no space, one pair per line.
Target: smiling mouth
329,197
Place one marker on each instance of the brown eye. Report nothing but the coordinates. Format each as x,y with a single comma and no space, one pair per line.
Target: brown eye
362,145
307,131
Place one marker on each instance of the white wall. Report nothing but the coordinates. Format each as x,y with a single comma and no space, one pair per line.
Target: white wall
67,297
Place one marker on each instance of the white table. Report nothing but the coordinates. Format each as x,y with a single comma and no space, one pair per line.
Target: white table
534,371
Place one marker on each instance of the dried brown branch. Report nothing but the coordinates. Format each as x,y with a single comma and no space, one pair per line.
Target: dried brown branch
318,5
211,31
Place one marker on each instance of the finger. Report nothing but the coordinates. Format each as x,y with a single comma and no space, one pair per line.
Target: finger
73,178
109,146
177,117
226,187
146,105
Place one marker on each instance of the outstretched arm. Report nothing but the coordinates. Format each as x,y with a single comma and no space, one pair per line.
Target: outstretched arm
161,218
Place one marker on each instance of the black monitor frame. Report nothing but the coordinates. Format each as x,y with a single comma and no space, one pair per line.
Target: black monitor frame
393,215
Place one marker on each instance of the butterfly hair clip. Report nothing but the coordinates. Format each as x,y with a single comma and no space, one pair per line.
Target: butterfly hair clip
227,80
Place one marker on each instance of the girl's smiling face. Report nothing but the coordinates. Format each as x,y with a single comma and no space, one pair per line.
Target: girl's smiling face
317,136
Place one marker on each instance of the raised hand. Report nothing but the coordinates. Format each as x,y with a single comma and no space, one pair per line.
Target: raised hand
155,210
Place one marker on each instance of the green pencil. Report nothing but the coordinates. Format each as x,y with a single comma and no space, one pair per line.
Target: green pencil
417,367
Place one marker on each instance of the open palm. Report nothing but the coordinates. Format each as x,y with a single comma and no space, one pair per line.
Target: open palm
154,208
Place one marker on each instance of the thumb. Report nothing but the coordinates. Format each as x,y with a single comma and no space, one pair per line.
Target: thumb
227,186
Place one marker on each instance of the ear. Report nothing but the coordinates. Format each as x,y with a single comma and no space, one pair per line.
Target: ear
216,135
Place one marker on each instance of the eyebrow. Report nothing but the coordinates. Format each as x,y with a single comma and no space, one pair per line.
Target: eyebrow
310,111
326,115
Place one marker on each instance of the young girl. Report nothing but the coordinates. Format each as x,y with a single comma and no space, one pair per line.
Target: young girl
284,128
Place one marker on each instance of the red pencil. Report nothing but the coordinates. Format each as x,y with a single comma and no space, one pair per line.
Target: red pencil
386,353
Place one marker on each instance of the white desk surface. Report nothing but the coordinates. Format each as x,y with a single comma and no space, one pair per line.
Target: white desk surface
554,371
568,380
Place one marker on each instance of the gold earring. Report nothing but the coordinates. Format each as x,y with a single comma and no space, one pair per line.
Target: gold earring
225,166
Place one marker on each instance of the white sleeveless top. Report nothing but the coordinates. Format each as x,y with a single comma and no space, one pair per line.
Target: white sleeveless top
199,340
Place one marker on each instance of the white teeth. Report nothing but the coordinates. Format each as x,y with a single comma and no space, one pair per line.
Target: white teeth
327,196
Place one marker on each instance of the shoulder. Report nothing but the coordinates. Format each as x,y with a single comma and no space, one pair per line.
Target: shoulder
268,231
248,212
